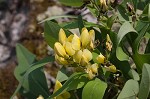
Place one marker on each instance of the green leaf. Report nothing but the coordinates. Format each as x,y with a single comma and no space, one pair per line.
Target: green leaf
94,89
145,82
145,17
124,29
140,59
130,90
25,82
124,66
62,75
56,17
51,31
111,20
121,55
142,4
140,25
134,75
76,3
94,57
80,23
25,59
122,13
74,24
31,83
69,25
135,3
75,81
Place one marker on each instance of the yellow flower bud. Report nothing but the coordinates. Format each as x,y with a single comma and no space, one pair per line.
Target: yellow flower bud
62,36
65,95
85,37
58,97
58,85
84,61
82,57
76,42
59,50
86,57
111,68
69,49
91,47
92,35
90,74
40,97
87,54
108,43
94,68
61,60
77,57
69,39
103,5
100,58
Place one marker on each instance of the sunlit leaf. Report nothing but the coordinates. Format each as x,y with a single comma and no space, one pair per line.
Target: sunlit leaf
123,31
145,82
94,89
62,75
134,75
130,90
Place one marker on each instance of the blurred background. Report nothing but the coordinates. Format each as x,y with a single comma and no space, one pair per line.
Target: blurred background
19,24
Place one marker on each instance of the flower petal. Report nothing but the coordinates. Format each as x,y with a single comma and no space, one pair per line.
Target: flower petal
61,60
58,85
85,37
62,36
84,61
77,56
76,42
69,39
87,54
92,35
59,50
100,58
69,49
94,68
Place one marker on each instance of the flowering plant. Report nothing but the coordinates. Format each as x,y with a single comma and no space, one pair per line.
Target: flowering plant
103,66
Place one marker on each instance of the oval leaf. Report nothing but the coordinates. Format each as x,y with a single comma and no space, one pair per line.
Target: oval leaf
145,82
124,29
62,75
134,75
130,90
94,89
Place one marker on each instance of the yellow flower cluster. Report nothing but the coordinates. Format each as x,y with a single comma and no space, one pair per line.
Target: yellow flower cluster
74,48
77,49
